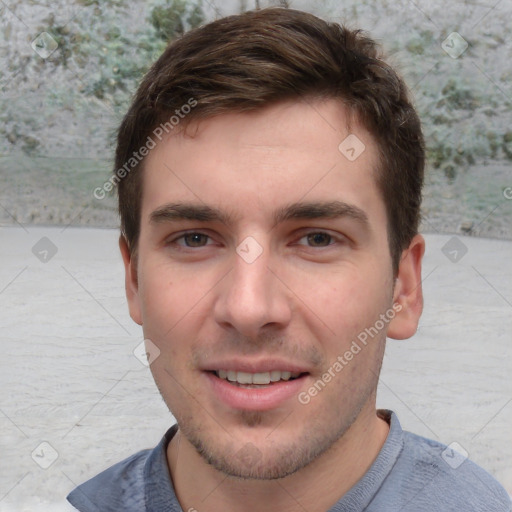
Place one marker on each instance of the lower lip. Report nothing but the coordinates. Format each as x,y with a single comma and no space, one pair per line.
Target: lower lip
254,399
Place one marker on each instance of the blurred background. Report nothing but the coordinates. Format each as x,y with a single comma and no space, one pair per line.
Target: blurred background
69,68
77,396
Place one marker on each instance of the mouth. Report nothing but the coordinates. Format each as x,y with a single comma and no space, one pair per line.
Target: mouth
255,391
256,380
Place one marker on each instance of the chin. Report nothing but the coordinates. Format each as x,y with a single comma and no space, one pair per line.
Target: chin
262,458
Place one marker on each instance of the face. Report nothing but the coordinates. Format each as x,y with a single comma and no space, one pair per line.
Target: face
263,257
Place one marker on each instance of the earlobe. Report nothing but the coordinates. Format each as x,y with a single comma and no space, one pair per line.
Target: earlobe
131,281
408,294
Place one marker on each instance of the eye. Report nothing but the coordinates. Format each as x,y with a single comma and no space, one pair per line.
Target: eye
192,239
318,239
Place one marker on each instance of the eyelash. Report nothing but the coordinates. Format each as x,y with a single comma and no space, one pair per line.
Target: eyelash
332,239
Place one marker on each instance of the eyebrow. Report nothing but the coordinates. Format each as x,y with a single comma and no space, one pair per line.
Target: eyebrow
294,211
321,210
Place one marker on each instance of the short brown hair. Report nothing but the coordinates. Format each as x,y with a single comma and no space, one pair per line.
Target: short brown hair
248,61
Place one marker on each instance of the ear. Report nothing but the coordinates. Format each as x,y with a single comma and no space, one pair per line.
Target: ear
408,294
131,281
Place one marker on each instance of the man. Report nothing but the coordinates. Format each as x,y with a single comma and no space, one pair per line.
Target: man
269,174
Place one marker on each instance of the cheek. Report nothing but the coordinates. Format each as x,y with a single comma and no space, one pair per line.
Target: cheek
346,301
156,292
173,309
166,292
162,304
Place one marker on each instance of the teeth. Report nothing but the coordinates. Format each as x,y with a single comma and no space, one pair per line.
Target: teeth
275,375
244,378
256,378
260,378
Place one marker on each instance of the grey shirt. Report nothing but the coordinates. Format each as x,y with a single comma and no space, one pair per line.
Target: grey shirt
410,474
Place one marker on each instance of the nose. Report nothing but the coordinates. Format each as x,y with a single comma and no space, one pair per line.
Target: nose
252,298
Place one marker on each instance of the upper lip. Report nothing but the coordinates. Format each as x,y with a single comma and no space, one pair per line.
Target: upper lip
256,366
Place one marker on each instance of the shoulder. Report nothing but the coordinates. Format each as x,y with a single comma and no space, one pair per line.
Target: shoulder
140,483
120,487
440,478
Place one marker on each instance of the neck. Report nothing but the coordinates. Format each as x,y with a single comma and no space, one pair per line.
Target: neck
316,487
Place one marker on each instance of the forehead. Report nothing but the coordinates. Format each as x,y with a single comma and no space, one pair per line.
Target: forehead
251,163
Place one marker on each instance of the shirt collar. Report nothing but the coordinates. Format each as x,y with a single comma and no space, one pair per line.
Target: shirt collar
159,489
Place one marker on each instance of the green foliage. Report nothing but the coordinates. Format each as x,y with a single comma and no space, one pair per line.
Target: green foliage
168,20
419,44
458,96
30,145
492,138
196,17
66,40
105,50
175,19
124,60
459,127
450,172
507,144
118,60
